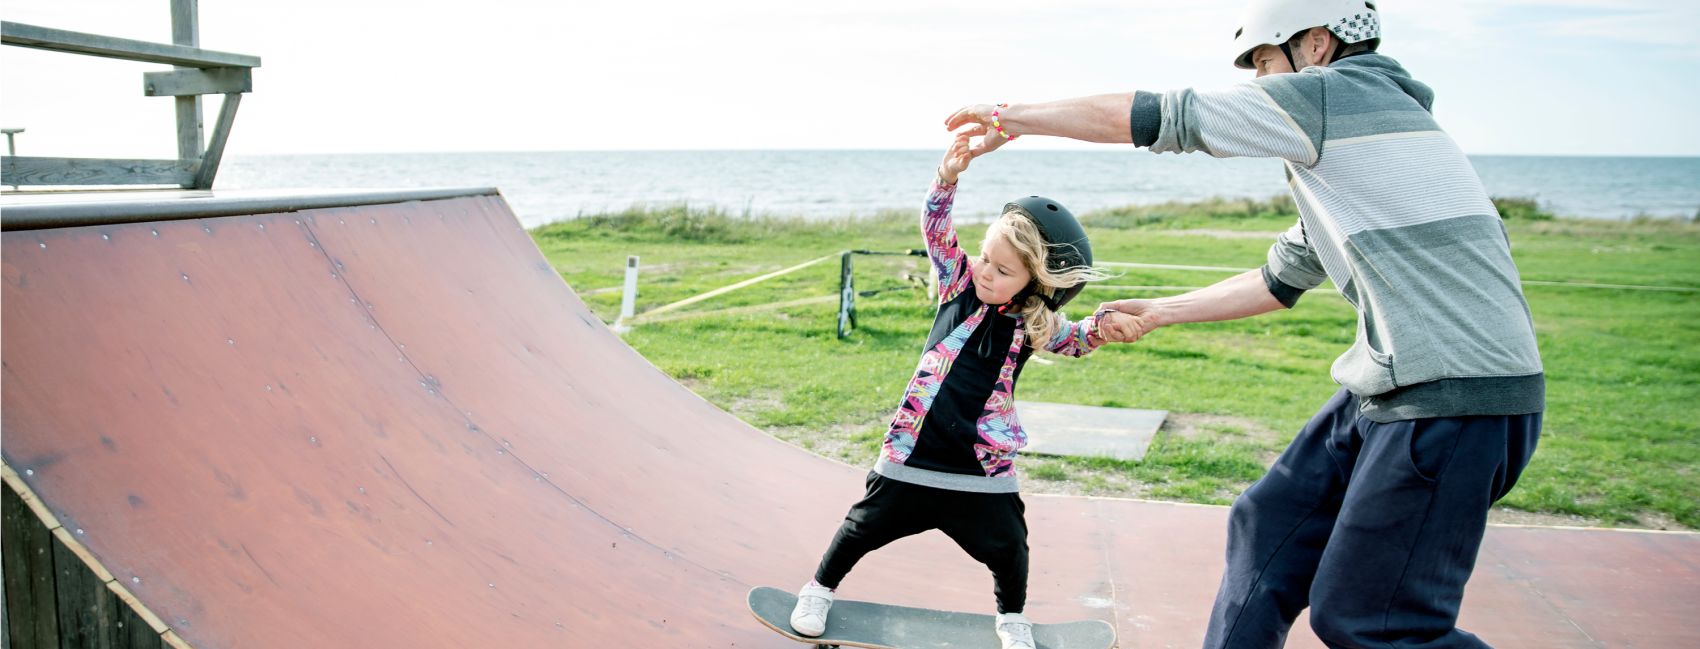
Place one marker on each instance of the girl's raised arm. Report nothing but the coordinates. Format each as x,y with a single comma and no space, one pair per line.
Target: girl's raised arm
942,246
936,226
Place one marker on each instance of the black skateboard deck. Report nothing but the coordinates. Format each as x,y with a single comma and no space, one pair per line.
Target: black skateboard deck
882,626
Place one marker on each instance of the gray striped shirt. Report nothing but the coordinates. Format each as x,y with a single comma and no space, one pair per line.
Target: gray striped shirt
1393,213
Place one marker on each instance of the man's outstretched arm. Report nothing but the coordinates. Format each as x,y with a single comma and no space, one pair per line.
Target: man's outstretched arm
1276,116
1098,118
1241,296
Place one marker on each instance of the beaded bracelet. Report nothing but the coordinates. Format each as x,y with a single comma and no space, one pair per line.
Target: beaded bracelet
1095,326
999,126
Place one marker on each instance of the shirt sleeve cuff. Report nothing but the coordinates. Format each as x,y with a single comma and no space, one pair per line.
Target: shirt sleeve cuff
1146,118
941,187
1286,294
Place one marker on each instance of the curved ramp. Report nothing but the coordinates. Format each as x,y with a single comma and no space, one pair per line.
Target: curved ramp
393,425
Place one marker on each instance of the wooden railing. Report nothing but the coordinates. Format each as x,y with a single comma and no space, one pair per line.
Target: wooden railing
199,72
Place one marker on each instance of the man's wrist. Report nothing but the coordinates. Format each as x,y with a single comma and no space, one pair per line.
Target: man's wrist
1005,124
1157,313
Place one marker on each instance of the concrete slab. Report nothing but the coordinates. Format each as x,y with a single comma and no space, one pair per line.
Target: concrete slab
1089,431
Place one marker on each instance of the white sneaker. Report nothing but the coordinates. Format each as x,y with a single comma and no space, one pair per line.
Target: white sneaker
809,617
1015,631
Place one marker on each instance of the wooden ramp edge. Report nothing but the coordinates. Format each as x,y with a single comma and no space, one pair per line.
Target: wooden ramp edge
105,622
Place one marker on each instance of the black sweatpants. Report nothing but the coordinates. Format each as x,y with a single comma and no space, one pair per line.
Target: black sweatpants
1374,526
990,527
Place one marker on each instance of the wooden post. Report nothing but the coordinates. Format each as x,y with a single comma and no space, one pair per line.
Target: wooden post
89,614
186,30
5,615
10,148
28,554
208,167
846,296
11,151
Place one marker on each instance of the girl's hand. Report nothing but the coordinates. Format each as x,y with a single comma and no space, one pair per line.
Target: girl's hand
1126,321
957,157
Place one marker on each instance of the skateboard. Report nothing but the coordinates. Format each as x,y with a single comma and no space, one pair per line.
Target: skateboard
882,626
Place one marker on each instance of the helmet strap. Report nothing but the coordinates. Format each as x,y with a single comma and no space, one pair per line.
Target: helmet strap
1050,302
1288,50
1031,290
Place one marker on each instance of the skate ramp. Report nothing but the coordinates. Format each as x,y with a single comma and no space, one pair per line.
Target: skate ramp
393,425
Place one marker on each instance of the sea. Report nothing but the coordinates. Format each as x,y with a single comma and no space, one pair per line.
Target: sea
544,187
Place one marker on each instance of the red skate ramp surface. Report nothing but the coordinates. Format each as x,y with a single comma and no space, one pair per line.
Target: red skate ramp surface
393,425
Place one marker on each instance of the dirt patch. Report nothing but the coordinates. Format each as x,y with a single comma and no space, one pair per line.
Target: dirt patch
1079,482
665,269
696,386
1647,520
1515,517
837,442
744,408
1657,521
1187,425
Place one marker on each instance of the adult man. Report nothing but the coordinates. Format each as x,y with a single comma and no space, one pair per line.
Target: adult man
1373,515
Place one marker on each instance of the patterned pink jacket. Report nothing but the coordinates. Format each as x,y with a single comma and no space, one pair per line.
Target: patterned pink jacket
1000,433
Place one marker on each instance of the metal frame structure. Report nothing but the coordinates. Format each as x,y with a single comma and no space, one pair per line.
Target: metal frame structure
847,292
198,72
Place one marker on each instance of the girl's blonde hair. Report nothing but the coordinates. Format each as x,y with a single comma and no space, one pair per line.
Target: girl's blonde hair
1021,232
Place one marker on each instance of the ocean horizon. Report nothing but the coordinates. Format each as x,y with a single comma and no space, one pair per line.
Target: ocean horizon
549,186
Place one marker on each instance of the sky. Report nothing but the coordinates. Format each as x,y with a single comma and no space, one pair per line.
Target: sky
1552,77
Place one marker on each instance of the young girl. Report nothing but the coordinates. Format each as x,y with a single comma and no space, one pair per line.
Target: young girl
947,462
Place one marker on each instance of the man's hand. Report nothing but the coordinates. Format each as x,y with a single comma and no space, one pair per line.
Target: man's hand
980,116
1127,320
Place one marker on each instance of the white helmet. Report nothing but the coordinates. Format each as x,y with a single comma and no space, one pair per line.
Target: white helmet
1274,22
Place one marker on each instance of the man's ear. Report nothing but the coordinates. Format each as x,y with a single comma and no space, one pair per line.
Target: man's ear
1316,44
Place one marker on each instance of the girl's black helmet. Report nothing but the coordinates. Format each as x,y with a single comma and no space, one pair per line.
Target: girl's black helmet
1067,240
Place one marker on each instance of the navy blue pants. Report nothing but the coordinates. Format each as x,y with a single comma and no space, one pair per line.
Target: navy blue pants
1374,526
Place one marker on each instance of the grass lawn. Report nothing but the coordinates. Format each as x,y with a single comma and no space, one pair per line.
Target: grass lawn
1620,444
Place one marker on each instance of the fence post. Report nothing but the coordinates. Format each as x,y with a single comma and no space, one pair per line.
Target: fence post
628,300
846,296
